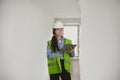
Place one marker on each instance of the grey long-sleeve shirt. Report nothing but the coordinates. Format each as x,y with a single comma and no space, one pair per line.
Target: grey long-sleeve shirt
51,55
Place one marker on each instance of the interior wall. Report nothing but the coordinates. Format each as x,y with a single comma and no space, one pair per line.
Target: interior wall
100,40
23,35
25,27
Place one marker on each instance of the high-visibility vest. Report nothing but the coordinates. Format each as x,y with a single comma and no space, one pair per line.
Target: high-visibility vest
54,65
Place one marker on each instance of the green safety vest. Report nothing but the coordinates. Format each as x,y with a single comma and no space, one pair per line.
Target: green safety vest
54,65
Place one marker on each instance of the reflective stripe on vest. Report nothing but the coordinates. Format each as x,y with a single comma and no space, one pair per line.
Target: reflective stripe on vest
67,61
51,64
55,63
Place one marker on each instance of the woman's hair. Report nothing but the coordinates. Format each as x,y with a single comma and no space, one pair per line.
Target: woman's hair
54,42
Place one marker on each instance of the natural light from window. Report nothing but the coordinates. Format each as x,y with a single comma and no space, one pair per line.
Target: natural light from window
71,32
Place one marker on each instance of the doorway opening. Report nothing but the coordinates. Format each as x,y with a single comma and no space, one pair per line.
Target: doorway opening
71,31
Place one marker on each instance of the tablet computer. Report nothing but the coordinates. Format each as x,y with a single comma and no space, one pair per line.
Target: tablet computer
67,46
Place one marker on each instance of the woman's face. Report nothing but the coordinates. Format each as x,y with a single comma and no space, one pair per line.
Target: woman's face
59,31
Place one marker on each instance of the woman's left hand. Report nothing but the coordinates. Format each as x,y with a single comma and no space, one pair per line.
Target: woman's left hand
71,50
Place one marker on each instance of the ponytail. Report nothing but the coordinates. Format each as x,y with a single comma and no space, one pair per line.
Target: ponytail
54,42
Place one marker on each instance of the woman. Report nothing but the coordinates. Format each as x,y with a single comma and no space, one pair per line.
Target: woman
59,62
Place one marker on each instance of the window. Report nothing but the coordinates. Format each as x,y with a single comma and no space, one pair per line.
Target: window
71,32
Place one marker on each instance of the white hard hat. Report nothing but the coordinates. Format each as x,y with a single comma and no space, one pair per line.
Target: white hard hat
58,24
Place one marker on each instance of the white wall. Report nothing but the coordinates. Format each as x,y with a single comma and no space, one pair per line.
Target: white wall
100,40
23,35
25,27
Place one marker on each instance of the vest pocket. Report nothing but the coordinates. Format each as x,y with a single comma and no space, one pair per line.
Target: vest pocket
54,66
53,69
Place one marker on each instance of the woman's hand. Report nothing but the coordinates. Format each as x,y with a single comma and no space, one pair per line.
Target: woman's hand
71,50
61,51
